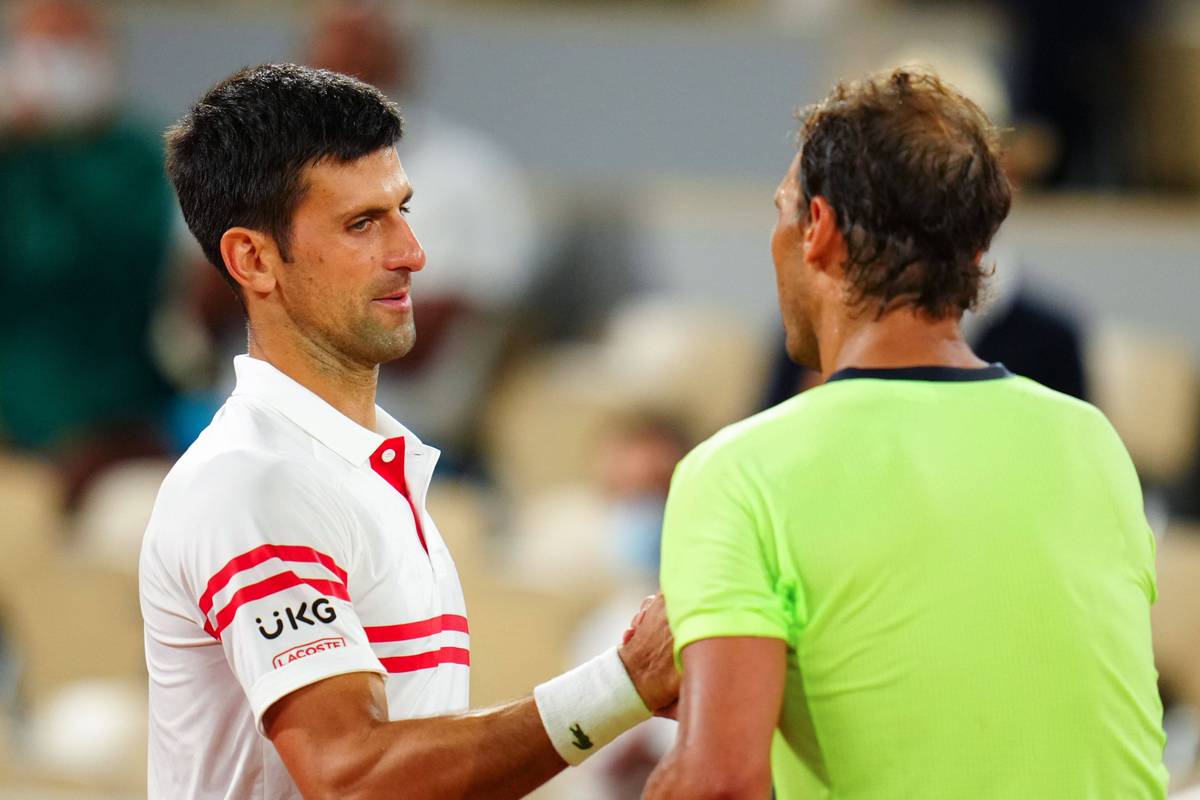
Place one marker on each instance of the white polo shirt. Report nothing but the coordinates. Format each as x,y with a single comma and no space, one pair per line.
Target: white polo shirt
289,545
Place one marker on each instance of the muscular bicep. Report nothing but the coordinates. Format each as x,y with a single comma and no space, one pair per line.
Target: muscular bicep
322,731
730,701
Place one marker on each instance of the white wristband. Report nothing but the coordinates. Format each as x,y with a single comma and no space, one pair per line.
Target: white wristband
586,708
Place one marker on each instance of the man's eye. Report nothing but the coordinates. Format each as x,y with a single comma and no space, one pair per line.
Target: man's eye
404,209
361,225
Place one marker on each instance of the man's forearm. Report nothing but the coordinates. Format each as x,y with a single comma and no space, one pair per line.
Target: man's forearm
336,740
673,779
499,753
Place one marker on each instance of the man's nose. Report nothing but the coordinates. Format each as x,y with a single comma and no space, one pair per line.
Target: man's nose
405,251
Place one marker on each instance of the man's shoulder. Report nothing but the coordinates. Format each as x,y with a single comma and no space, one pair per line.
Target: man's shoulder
829,417
1031,400
732,452
245,464
1051,399
246,444
770,429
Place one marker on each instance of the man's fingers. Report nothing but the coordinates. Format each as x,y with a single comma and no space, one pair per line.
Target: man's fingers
641,613
647,651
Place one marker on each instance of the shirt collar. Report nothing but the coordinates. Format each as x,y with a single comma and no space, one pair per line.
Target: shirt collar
931,373
261,380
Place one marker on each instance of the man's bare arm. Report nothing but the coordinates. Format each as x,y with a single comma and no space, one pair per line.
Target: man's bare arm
729,706
336,741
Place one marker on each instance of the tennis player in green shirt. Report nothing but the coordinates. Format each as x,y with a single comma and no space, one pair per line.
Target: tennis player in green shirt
927,578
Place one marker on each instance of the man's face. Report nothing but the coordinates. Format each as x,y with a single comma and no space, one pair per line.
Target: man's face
353,255
792,273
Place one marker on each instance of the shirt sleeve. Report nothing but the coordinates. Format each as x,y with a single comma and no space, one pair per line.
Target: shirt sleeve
717,574
1125,494
269,562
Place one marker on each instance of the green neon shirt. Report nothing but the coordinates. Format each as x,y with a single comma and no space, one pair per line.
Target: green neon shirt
961,567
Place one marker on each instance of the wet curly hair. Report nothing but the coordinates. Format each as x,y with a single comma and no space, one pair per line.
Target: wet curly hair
912,170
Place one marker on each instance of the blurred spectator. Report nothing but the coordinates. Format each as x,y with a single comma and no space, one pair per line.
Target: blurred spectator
635,464
1072,76
1020,328
601,532
83,240
1184,497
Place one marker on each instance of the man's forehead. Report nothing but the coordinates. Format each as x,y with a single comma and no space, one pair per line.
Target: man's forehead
791,179
376,174
793,173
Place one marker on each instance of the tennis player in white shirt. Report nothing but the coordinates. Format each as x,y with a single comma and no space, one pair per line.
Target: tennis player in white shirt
306,634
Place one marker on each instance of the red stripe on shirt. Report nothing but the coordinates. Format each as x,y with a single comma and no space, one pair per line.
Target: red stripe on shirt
446,655
416,630
252,558
266,588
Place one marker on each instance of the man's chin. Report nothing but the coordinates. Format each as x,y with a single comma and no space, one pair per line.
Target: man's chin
388,355
383,349
804,353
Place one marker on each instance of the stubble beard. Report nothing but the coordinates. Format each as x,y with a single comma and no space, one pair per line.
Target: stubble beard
358,337
802,345
370,341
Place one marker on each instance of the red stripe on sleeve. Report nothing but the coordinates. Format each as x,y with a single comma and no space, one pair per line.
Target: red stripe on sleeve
252,558
416,630
446,655
266,588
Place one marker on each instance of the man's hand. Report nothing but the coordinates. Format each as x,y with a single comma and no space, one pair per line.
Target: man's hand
648,655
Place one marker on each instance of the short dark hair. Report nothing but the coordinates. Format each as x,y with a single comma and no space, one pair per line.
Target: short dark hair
238,155
912,169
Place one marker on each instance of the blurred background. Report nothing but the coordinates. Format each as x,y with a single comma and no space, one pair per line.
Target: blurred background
594,191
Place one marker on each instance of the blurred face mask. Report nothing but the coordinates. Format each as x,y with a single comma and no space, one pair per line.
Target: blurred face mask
49,83
637,533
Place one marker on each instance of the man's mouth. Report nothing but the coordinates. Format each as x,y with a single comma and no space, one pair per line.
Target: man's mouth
397,301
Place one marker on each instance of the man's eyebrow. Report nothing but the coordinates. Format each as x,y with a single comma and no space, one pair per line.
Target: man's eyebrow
378,211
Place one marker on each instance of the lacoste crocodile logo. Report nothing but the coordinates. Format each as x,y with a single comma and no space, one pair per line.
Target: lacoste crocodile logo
581,739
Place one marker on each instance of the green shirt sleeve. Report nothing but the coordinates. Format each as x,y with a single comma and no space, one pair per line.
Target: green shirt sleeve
1128,503
717,576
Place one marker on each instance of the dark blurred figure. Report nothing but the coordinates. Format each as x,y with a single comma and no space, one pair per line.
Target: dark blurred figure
1029,334
83,241
1073,74
1183,499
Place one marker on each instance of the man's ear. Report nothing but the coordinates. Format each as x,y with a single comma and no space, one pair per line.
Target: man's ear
252,258
824,246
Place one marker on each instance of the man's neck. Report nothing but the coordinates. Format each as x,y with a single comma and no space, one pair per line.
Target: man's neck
901,338
347,387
